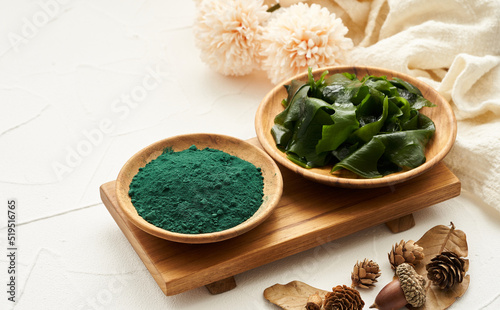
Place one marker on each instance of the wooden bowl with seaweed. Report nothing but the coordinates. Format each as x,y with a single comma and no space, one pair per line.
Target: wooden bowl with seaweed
167,190
355,127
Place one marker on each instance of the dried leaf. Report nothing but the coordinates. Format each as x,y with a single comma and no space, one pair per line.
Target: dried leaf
436,240
291,296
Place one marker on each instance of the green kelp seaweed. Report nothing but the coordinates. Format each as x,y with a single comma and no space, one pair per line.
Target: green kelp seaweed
371,126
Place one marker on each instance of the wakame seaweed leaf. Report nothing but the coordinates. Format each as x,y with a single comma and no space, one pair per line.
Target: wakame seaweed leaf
344,123
370,129
284,122
364,161
316,86
292,89
411,93
307,132
339,88
370,126
388,153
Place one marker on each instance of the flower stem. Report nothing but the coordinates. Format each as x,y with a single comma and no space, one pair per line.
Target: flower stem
274,8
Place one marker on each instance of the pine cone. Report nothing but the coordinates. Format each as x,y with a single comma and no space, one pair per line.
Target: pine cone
365,274
405,252
412,284
446,269
343,298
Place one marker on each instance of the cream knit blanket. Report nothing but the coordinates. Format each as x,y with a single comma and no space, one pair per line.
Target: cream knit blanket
453,45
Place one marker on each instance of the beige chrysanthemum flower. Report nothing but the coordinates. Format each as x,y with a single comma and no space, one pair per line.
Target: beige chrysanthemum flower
228,33
299,37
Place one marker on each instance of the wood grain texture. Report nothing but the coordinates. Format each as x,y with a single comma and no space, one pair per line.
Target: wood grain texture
221,286
273,182
309,214
401,224
436,150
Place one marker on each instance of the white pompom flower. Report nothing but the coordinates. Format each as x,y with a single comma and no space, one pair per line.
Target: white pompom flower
299,37
228,33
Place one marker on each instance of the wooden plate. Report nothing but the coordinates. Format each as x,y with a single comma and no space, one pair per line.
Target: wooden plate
273,183
436,150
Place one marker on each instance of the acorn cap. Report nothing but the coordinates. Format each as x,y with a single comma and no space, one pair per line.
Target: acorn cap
412,283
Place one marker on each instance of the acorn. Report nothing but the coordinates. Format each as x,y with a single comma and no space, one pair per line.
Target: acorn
407,288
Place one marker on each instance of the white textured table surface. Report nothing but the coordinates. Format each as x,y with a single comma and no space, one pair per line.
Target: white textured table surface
83,86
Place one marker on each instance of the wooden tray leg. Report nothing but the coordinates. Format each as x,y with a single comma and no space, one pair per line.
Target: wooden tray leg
401,224
221,286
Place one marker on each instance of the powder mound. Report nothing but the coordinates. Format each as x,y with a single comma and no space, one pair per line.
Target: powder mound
197,191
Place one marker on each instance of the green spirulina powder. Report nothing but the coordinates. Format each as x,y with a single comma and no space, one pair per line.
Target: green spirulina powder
197,191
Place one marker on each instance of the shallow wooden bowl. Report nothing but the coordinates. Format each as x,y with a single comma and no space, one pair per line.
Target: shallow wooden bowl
436,150
273,183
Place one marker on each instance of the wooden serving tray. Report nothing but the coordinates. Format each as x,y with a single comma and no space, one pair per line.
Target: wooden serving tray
309,214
